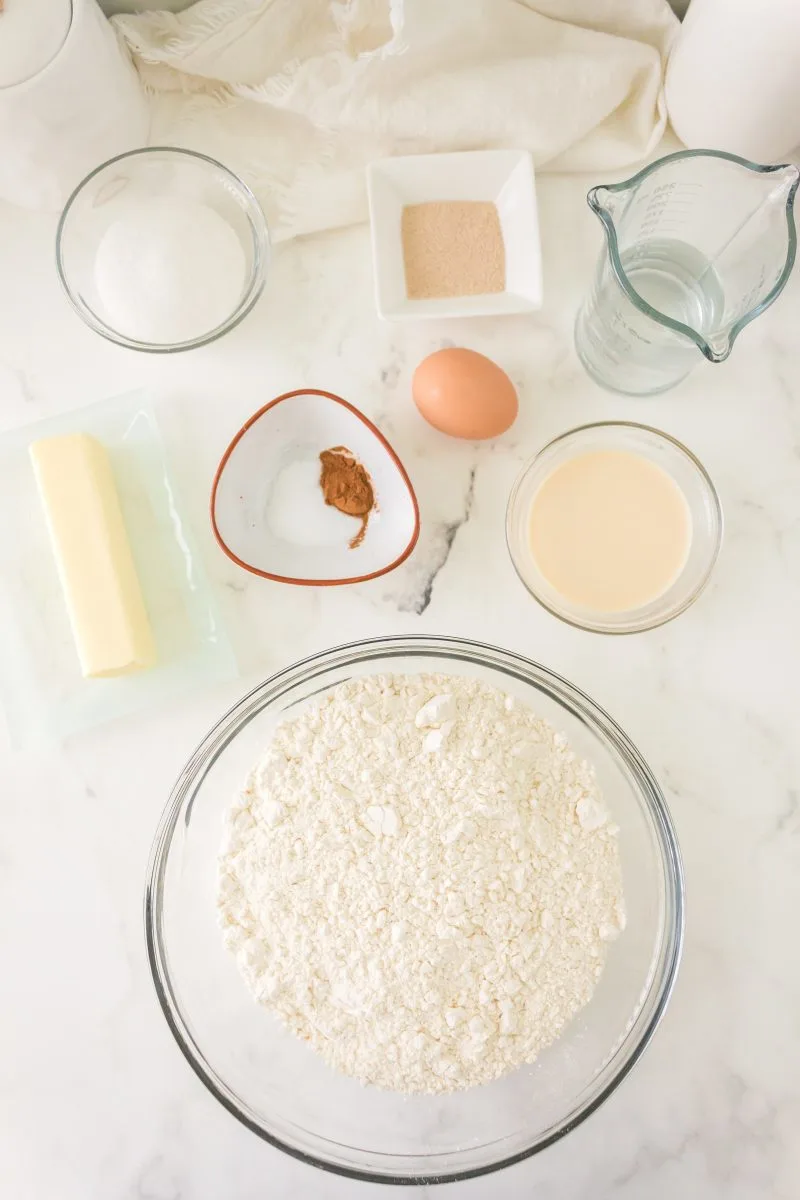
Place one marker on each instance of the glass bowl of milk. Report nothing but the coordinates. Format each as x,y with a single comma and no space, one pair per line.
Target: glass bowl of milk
162,250
614,527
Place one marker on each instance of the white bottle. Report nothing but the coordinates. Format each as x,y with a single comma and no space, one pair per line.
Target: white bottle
70,98
733,78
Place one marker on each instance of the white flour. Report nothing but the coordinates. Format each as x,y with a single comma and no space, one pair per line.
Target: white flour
419,879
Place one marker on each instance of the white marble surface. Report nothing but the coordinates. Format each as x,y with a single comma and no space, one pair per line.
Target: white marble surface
96,1102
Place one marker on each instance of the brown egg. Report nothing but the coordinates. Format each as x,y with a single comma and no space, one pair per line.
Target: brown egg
465,394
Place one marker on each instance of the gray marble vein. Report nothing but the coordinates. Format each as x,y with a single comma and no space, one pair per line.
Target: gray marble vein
434,554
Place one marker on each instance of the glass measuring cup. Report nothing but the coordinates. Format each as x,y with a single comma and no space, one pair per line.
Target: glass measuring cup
698,244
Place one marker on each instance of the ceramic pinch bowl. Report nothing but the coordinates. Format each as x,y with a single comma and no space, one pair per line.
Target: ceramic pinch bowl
267,508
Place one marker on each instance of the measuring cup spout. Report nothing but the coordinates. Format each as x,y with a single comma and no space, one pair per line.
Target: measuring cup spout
604,203
717,346
788,177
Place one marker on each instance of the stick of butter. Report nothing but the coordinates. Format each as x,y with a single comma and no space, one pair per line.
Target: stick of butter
104,599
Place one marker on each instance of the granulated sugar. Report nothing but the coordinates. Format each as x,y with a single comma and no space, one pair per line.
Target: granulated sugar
168,270
453,248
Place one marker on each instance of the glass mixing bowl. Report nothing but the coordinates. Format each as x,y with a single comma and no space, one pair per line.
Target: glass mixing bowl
680,464
128,185
281,1089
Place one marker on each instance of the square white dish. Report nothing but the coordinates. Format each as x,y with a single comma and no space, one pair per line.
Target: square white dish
504,177
43,692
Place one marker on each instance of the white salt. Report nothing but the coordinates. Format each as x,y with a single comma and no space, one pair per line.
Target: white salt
297,511
169,270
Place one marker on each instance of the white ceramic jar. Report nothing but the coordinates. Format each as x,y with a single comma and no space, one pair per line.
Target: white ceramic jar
733,78
70,98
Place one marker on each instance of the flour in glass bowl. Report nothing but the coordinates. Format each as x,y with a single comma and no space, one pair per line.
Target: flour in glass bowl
420,880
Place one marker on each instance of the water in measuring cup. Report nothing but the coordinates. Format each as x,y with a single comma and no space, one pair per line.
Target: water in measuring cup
623,348
678,280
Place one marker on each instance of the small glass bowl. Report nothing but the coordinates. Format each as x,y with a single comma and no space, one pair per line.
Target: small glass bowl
679,463
279,1088
159,171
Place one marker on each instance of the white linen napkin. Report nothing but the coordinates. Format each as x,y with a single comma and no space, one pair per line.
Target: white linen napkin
297,96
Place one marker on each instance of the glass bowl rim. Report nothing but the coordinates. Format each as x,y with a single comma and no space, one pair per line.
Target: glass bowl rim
659,985
255,285
641,626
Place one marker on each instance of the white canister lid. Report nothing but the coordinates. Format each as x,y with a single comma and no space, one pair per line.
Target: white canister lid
31,34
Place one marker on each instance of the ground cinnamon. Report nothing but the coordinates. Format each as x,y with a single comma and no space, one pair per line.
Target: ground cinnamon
347,487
